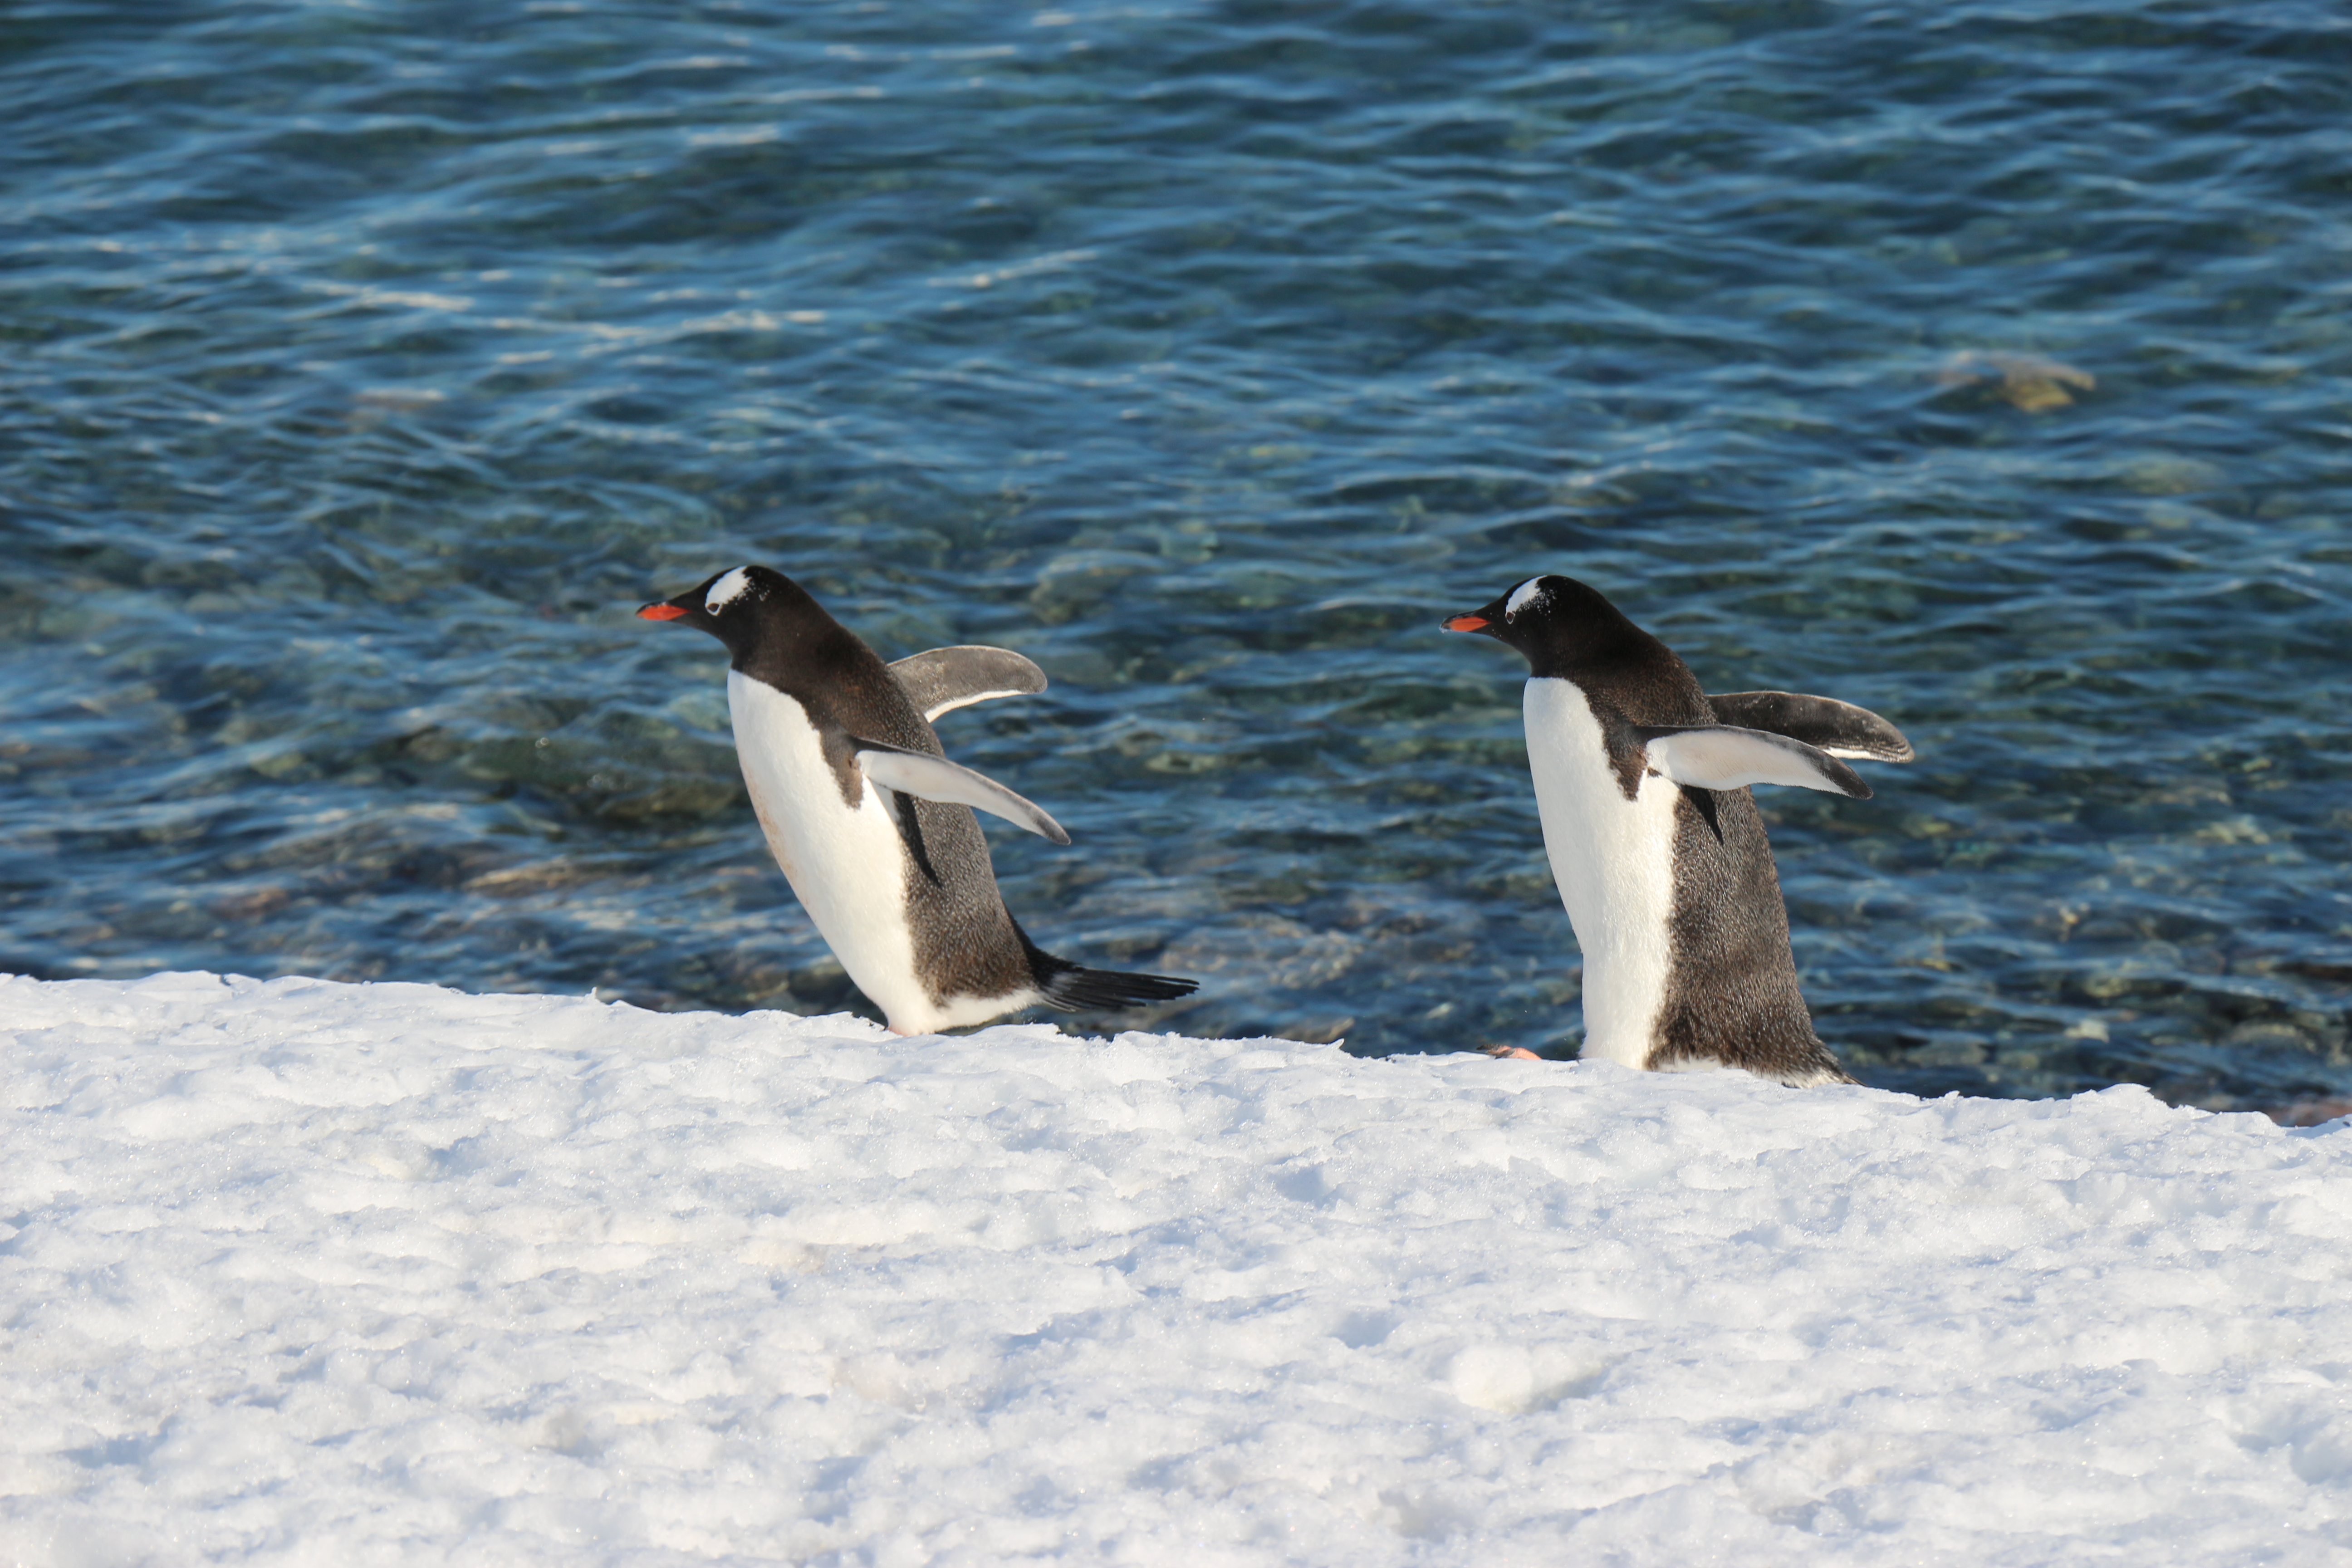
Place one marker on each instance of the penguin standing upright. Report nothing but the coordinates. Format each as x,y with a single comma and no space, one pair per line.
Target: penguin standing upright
870,822
1642,784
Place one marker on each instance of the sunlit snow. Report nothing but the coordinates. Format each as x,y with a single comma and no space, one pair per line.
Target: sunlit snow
309,1273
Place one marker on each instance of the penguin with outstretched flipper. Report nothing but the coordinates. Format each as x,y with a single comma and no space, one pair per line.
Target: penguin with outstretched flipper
871,823
1641,782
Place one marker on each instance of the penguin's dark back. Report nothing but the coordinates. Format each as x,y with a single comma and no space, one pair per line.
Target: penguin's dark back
1732,994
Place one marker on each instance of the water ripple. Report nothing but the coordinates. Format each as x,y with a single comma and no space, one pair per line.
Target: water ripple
1984,365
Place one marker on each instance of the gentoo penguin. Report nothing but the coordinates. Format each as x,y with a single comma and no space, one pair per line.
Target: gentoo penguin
1642,782
871,823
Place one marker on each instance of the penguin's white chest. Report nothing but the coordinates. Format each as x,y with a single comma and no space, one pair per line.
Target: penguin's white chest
1613,859
847,865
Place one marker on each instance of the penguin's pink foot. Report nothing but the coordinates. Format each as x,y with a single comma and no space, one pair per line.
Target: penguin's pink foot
1510,1053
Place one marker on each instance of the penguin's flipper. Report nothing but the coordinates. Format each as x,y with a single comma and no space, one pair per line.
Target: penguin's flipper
935,778
1841,728
947,678
1720,756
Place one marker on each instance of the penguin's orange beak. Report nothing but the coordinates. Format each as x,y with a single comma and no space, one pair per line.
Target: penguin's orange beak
661,612
1458,623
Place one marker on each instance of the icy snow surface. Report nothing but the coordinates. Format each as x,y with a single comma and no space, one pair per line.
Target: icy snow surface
311,1273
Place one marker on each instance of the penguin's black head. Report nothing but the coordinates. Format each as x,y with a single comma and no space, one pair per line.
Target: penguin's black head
735,607
1558,623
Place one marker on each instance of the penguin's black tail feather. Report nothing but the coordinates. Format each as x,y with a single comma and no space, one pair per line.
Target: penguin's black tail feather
1074,988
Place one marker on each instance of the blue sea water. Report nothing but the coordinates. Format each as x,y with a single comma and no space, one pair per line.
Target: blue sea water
366,364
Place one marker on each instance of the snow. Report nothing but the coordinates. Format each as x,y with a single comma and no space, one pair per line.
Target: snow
301,1272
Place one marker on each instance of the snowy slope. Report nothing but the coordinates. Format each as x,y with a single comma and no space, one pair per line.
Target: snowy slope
309,1273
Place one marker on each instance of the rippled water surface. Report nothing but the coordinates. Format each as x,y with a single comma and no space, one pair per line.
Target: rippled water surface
366,364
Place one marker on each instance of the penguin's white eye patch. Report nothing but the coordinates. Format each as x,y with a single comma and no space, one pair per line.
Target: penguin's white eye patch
1528,593
727,590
